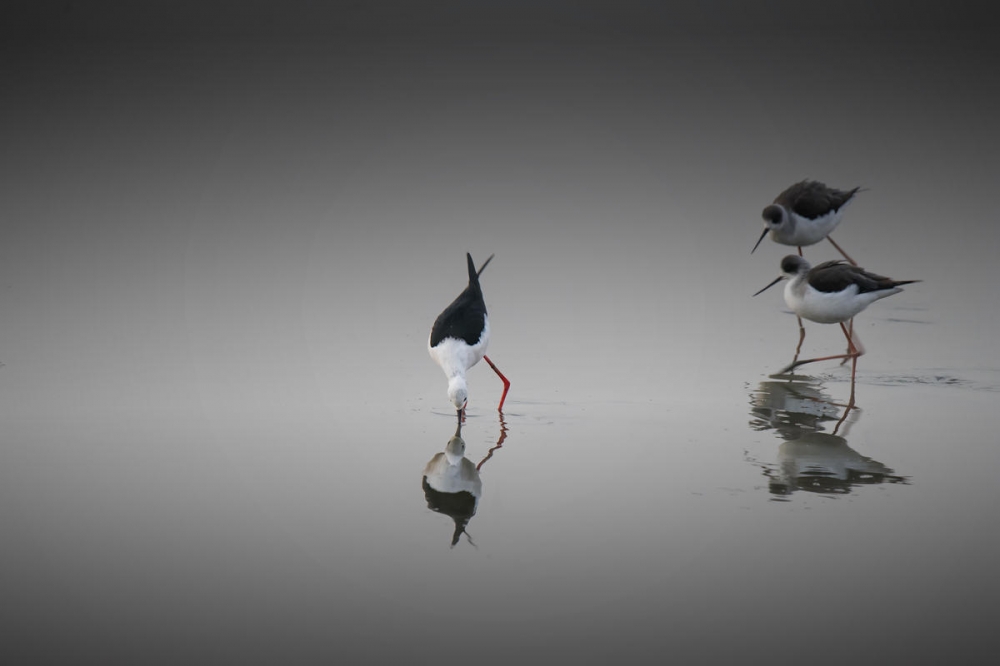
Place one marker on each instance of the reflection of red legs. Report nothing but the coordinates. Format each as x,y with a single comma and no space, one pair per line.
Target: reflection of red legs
854,371
506,383
854,350
842,419
839,249
500,439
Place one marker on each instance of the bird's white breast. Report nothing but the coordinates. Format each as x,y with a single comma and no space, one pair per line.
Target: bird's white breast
830,307
456,356
807,232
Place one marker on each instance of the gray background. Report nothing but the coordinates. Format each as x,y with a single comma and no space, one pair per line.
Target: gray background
227,229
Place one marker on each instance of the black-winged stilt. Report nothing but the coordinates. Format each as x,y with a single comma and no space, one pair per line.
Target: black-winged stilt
832,293
805,214
459,338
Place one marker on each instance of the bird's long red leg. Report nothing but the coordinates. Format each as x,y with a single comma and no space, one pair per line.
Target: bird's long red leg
802,336
506,382
850,326
841,250
800,250
853,343
792,366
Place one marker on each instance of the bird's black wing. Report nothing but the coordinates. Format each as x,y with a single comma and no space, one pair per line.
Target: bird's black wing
812,199
834,276
463,319
837,275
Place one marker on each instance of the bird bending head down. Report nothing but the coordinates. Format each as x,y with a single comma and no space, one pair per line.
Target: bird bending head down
458,391
459,339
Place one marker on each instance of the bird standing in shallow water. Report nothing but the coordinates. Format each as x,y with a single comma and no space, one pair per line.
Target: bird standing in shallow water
832,293
805,214
459,338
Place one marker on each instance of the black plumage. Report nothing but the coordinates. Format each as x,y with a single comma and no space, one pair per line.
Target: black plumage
812,199
465,318
837,275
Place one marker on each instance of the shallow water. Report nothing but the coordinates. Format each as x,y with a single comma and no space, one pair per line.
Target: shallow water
222,431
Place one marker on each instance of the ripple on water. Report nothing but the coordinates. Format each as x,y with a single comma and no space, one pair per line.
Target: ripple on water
987,380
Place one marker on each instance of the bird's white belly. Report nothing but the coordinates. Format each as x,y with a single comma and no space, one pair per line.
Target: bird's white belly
827,308
456,356
809,232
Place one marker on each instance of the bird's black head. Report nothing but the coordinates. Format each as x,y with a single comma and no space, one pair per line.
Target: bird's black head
792,264
773,215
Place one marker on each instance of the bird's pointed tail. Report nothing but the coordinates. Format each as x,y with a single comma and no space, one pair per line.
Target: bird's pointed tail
473,273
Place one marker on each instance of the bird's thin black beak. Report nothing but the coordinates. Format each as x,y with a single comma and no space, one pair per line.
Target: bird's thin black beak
766,229
776,281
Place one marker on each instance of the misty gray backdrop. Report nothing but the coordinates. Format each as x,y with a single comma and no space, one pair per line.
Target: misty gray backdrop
227,229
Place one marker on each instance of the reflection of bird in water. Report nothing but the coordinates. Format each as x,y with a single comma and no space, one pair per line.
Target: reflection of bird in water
822,463
459,338
791,408
452,485
809,459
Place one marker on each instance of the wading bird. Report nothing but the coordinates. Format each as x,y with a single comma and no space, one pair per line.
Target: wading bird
805,214
832,293
459,339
